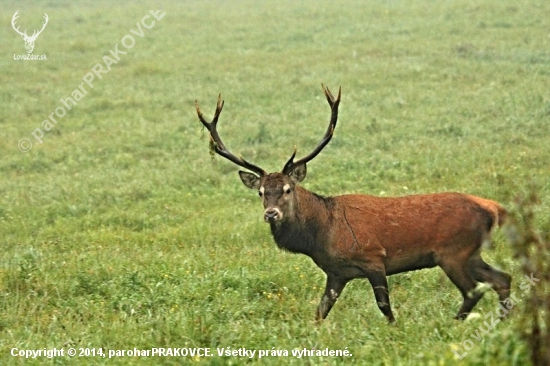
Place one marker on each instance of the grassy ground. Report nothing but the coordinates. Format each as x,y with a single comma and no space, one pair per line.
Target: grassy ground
119,231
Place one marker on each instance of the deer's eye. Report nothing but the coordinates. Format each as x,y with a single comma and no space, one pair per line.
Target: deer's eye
286,189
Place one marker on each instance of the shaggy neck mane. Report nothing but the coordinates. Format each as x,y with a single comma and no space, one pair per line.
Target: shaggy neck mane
305,232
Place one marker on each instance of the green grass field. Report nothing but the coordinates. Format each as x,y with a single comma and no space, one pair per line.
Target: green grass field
119,231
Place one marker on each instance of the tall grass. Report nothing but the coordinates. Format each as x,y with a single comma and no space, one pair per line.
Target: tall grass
531,246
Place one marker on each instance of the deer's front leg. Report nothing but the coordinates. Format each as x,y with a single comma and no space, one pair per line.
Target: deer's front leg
379,284
333,289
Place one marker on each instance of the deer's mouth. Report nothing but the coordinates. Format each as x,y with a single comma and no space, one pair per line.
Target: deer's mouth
272,215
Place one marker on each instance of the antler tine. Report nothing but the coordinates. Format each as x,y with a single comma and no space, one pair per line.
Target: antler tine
334,103
219,107
43,25
13,19
219,146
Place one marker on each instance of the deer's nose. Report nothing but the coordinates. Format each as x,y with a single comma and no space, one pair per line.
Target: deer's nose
272,214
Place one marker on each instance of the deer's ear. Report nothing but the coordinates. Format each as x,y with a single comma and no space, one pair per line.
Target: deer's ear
298,174
250,180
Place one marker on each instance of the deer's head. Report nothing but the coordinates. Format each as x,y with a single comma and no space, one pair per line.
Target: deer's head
29,40
276,190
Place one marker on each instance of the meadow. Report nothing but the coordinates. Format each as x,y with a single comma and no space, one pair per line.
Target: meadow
120,231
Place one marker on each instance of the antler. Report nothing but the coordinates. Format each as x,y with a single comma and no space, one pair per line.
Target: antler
36,33
215,139
13,19
333,102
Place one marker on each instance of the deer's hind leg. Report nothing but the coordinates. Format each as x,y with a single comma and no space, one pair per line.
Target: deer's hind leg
499,281
458,273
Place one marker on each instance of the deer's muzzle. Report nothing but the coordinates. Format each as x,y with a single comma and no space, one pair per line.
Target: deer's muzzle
272,214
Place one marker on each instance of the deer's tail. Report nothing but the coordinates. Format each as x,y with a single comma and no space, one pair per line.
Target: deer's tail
497,212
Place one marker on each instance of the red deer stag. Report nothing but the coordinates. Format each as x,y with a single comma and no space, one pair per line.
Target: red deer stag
358,236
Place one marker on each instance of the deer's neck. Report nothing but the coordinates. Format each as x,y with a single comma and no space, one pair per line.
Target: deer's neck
307,227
